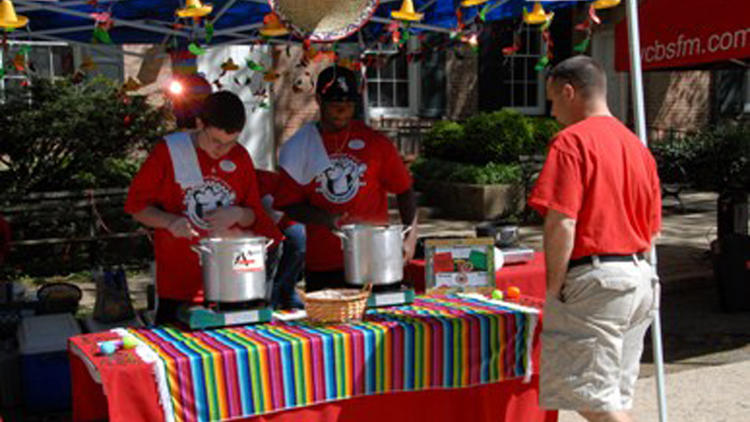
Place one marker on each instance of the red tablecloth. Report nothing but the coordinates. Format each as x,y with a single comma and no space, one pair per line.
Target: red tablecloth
529,277
127,393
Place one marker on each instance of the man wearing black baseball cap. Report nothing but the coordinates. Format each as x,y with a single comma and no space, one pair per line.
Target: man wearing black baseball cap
339,171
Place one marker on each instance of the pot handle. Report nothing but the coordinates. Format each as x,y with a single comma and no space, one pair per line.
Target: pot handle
405,231
340,234
270,242
198,249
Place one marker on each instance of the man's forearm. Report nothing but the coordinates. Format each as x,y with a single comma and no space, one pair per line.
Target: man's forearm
308,214
559,236
407,207
155,218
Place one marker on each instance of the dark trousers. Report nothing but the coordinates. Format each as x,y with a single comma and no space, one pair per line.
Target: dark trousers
166,311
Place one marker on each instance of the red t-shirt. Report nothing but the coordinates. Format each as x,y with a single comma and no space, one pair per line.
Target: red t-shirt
229,180
599,173
364,168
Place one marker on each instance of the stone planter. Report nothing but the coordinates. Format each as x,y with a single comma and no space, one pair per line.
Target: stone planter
473,202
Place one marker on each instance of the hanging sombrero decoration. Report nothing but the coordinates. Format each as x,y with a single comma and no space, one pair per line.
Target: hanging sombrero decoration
324,20
272,26
407,13
8,17
537,16
605,4
471,3
195,9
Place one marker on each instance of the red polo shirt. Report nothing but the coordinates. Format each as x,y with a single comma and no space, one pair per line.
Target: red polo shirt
600,174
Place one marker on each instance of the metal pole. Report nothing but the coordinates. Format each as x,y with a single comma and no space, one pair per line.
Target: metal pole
121,22
636,74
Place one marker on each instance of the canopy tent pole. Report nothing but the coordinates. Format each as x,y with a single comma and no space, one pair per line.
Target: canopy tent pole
636,76
123,22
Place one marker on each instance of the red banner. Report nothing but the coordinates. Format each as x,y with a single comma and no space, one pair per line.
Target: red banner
684,33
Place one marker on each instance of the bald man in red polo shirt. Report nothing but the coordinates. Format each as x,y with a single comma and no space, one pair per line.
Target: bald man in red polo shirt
599,193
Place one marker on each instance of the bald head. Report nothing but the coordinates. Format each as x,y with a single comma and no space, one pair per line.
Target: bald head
583,73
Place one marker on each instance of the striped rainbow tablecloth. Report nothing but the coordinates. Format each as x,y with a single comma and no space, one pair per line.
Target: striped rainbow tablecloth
437,342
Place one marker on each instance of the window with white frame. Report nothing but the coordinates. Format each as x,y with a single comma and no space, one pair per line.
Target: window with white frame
45,59
398,87
388,82
732,92
512,81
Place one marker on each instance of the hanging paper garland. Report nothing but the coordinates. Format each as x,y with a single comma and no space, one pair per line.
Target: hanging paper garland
102,24
196,49
209,31
516,46
483,13
545,60
592,19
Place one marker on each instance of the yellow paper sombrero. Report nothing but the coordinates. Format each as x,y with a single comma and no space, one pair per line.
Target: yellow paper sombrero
469,3
8,17
272,26
605,4
537,15
407,13
194,9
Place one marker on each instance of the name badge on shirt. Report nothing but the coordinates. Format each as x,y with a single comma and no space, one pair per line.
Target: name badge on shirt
356,144
227,166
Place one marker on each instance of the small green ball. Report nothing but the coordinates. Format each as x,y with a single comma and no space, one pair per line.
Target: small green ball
497,295
129,342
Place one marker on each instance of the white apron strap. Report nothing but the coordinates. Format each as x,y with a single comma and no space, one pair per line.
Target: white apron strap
187,171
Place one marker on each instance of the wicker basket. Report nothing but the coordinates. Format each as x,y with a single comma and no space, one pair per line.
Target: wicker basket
349,305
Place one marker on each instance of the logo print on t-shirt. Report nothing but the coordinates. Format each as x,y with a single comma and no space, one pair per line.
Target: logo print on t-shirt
212,194
341,181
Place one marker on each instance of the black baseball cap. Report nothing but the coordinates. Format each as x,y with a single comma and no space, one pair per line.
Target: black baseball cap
337,83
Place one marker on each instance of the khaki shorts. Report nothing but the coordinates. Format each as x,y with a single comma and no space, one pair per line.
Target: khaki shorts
592,338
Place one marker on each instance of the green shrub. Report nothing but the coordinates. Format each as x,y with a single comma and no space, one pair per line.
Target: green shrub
444,140
721,161
545,128
496,137
492,173
716,158
65,136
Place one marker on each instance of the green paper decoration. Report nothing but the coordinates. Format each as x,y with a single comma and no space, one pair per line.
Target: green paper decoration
2,72
209,31
102,36
484,11
255,66
582,46
195,49
541,64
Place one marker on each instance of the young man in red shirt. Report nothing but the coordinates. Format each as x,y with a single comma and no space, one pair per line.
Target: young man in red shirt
599,193
339,171
192,185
